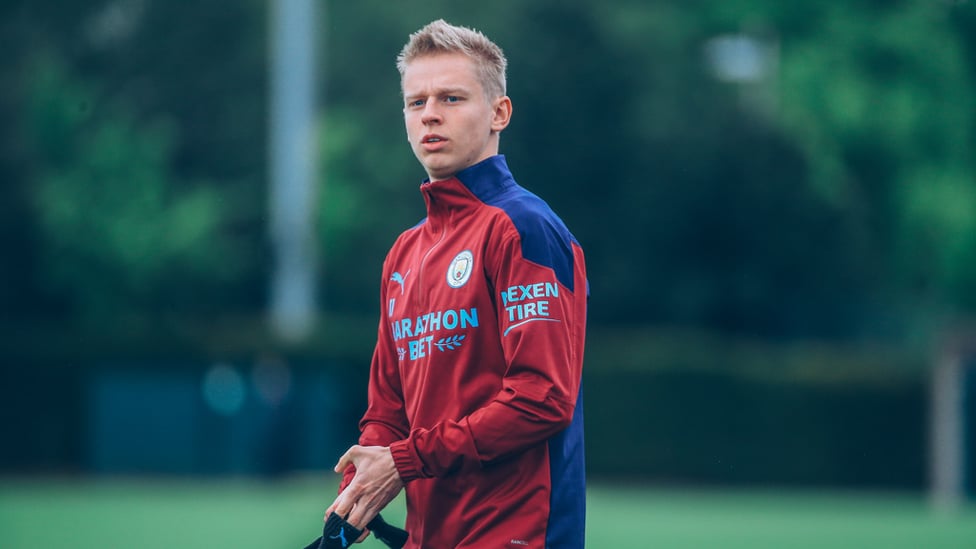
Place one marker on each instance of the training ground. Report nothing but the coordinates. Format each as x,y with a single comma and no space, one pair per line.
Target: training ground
188,513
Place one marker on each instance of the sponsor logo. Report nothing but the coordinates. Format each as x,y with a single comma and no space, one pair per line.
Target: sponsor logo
421,333
528,303
460,270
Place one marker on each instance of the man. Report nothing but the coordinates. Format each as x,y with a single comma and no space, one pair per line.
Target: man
474,393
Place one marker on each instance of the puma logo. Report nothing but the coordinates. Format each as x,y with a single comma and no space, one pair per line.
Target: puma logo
399,279
341,537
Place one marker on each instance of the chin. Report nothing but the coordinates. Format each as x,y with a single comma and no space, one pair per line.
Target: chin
440,172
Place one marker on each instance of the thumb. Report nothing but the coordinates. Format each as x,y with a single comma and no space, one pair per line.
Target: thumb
346,460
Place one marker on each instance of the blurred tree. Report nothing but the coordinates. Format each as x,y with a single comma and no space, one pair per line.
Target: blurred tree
833,198
695,211
116,237
885,114
142,158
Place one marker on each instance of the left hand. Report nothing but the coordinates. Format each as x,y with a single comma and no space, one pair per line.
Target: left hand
375,485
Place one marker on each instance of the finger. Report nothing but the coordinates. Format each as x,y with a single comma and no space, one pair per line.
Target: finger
356,516
329,511
345,460
346,502
342,508
360,514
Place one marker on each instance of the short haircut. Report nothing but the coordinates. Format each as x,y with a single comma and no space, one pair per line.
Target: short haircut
442,37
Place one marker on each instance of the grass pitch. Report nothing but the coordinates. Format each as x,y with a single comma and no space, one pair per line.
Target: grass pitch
206,514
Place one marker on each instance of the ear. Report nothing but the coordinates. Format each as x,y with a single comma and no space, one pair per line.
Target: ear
501,113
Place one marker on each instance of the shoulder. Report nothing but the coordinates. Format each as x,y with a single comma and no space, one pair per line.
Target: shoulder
543,237
537,224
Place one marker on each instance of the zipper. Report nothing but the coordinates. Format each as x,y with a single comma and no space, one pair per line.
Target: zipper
421,294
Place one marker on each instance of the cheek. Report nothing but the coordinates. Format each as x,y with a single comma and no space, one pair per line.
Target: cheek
481,123
411,122
413,136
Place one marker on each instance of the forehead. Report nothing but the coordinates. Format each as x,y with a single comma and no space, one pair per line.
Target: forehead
440,71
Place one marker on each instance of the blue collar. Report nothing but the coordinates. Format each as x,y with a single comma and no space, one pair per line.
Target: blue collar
488,178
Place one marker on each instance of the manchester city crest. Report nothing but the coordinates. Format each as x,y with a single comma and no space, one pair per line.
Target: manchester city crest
460,270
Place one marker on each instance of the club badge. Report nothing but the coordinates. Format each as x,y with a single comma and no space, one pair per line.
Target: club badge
460,270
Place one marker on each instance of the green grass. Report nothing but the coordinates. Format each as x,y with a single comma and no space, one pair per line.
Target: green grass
245,514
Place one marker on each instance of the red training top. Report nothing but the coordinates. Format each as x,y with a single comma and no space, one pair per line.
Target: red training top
475,380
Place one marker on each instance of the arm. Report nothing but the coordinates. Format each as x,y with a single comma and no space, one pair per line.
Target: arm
370,481
384,421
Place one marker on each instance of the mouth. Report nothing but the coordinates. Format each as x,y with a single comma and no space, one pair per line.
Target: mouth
433,142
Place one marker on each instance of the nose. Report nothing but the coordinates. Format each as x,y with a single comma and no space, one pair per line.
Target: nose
431,114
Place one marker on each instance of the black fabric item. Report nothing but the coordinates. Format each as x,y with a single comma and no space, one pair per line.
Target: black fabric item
339,534
336,534
392,536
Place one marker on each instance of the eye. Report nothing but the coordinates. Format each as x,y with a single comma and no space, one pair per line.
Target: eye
415,103
452,99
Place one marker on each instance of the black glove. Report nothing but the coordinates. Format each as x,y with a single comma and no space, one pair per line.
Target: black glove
336,534
339,534
390,535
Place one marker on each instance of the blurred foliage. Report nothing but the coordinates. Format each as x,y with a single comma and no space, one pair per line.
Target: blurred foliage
113,230
893,136
833,195
132,171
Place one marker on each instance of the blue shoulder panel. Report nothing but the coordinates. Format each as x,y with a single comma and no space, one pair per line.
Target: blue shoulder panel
545,238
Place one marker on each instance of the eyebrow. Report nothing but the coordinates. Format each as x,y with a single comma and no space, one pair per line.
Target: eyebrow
440,92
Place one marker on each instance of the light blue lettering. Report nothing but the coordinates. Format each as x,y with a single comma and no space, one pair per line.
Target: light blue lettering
469,317
420,348
531,291
508,295
511,312
552,289
450,319
528,310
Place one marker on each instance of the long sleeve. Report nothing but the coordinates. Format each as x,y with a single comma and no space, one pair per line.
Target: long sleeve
385,420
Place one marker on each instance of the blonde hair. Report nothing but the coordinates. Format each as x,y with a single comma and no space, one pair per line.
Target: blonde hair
442,37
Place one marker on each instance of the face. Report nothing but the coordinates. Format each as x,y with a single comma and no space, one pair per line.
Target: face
451,124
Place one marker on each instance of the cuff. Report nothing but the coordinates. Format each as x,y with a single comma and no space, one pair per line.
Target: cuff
407,461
